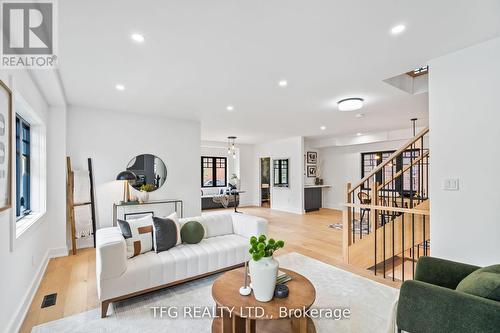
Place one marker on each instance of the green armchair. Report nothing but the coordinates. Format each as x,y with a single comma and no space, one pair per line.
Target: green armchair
430,303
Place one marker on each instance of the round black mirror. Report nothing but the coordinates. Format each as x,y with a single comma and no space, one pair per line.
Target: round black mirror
150,170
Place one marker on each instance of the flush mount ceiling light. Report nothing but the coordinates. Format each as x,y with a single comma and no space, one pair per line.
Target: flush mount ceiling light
230,108
397,29
120,87
322,128
350,104
359,134
283,83
137,38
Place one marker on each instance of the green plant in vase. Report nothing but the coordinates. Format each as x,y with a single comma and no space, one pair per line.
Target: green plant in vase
263,266
259,248
145,189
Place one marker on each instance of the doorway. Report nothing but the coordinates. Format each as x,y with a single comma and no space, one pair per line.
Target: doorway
265,182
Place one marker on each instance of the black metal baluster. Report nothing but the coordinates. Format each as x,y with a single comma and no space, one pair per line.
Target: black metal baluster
425,239
413,246
403,247
353,218
375,237
393,254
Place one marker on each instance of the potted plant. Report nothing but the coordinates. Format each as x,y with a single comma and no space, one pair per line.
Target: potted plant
263,267
145,189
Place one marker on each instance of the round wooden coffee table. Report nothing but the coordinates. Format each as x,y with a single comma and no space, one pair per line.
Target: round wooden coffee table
244,314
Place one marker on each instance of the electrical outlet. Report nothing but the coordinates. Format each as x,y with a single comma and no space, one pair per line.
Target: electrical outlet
450,184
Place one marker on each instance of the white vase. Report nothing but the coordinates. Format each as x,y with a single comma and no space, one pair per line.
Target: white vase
143,196
263,274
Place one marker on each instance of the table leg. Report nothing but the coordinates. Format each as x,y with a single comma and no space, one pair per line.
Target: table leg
238,324
299,325
250,325
227,323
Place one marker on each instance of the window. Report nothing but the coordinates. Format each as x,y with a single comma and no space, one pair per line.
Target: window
370,161
23,204
213,171
280,168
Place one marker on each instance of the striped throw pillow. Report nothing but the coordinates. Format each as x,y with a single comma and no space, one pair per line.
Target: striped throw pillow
138,235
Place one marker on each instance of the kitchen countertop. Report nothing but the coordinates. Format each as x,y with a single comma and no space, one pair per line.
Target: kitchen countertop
316,186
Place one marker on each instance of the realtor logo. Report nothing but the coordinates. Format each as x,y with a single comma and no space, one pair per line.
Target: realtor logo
28,32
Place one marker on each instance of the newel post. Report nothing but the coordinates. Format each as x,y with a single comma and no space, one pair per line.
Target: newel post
347,226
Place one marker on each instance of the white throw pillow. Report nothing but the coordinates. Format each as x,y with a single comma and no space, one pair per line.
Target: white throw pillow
139,236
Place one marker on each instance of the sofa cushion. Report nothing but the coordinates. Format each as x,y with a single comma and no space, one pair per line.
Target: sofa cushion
211,254
484,282
138,234
215,224
165,234
192,232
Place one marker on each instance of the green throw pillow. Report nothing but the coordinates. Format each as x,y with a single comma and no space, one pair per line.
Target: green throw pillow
484,282
192,232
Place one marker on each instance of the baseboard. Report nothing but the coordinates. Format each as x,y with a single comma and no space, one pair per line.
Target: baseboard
58,252
17,321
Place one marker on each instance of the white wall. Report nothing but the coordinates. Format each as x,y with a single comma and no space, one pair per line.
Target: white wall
464,116
342,164
24,258
289,199
248,173
112,139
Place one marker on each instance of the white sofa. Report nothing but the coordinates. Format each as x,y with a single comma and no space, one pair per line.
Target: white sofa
225,246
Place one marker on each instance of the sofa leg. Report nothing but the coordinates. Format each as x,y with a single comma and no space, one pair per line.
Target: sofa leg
104,308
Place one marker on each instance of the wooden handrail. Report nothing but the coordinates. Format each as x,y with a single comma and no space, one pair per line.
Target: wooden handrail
400,172
393,156
389,208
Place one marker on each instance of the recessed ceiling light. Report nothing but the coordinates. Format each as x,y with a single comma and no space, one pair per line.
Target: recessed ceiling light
360,115
230,108
322,128
397,29
283,83
137,38
359,134
350,104
120,87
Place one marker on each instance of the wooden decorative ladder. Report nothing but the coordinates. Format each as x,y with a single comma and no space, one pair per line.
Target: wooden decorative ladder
386,216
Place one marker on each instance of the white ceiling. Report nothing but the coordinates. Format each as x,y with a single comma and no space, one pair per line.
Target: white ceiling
200,56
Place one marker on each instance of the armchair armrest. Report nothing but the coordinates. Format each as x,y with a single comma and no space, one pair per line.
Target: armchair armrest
248,225
440,272
111,254
424,307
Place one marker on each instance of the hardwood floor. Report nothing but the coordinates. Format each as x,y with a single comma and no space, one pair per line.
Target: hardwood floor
73,278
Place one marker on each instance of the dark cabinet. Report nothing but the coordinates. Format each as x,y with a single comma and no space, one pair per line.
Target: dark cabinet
312,198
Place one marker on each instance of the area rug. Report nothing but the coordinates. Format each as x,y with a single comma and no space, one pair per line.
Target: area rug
371,304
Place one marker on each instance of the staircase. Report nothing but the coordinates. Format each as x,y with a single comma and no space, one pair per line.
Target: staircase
386,219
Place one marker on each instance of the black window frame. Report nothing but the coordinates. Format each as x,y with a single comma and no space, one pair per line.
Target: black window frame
278,165
399,184
23,147
214,171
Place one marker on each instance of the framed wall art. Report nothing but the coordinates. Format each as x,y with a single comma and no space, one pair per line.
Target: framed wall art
311,171
312,157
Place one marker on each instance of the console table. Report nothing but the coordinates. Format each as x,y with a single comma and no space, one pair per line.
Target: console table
177,204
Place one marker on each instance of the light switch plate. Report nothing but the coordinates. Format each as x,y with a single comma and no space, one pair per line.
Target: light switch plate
450,184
